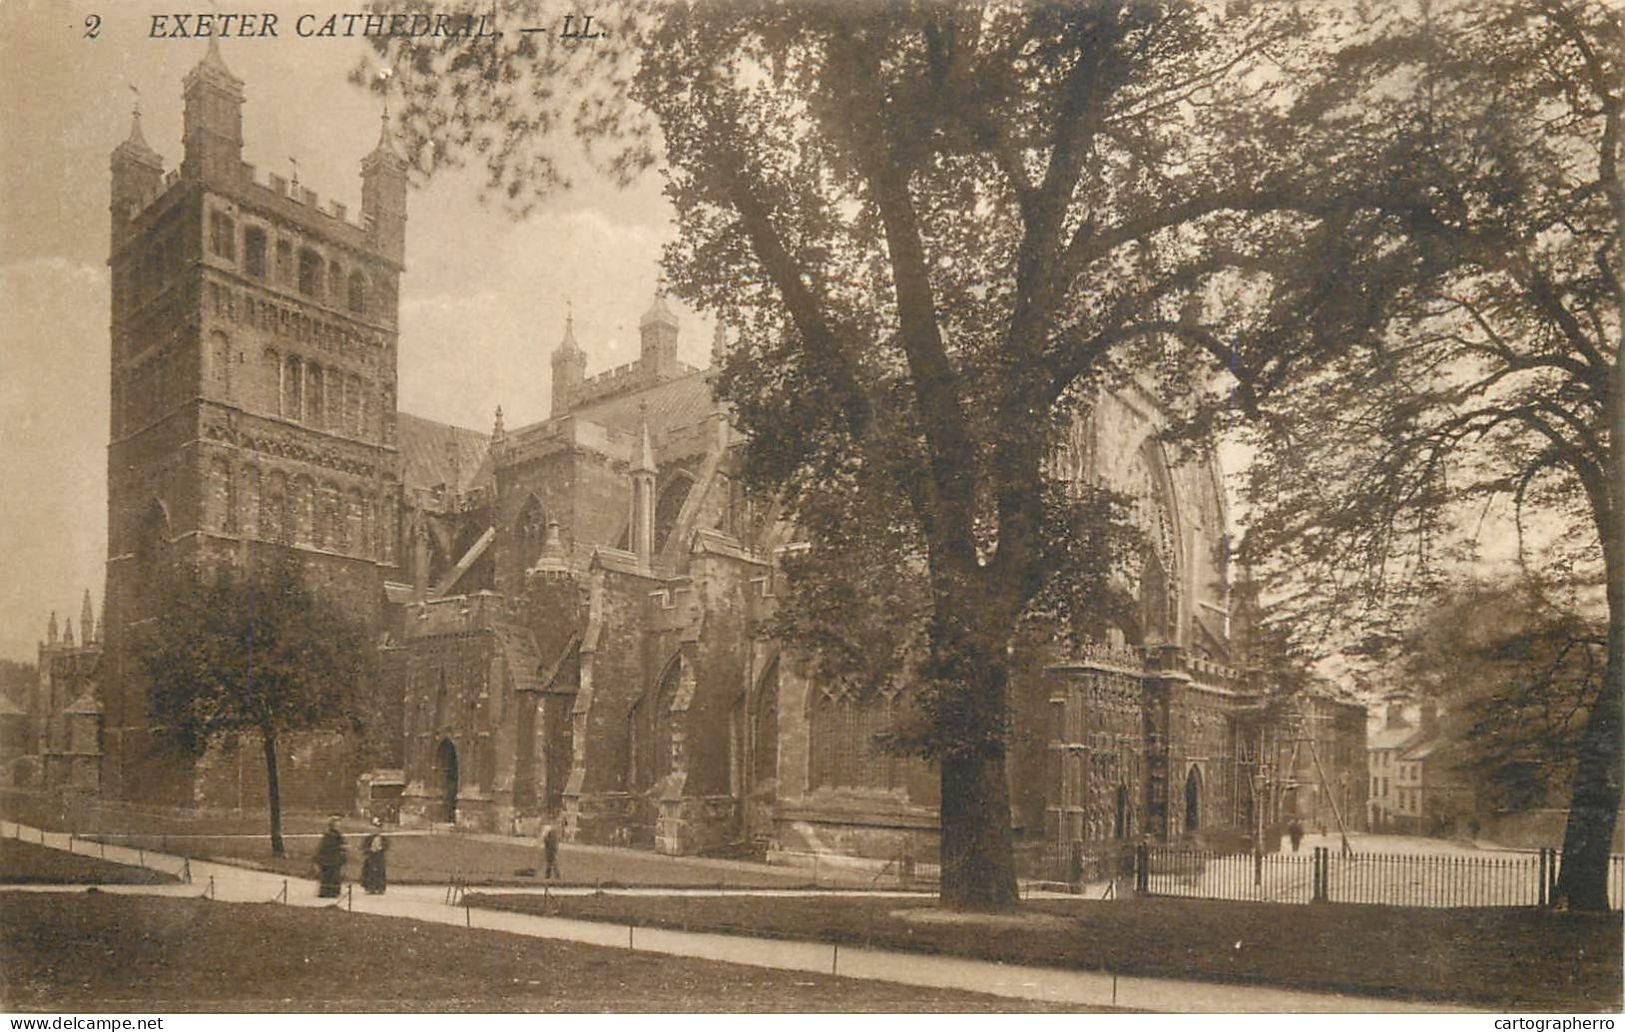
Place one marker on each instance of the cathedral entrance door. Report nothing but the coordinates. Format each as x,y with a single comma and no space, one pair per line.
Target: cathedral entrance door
446,767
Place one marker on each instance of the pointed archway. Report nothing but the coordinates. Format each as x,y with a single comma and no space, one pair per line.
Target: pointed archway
446,776
1193,801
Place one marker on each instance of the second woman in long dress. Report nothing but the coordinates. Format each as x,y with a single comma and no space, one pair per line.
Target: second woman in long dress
374,851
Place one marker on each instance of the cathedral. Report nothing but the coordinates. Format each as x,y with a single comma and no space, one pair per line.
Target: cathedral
570,617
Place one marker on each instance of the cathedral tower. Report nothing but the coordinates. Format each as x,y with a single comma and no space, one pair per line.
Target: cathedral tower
253,389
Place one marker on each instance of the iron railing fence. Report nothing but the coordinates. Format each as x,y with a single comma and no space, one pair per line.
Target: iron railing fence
1204,874
1379,879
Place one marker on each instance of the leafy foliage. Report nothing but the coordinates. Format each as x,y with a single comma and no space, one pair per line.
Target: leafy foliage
257,652
1475,150
1517,668
941,229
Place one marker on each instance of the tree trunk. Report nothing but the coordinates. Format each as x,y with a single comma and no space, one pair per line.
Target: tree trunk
977,854
273,793
1595,796
978,862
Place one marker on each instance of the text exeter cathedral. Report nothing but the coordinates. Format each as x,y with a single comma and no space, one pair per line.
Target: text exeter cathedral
569,614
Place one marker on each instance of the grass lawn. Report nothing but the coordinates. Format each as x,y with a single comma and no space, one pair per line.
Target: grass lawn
28,863
437,859
193,955
414,857
1513,959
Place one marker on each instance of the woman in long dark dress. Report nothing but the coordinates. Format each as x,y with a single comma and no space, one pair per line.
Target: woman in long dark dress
374,877
330,854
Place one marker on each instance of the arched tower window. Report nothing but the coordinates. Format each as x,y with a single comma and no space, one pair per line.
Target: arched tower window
254,252
315,396
293,389
271,385
222,236
310,267
284,261
153,534
358,293
220,363
353,404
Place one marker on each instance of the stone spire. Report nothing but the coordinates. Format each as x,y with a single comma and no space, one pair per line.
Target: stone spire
213,60
50,630
569,367
136,145
646,453
67,632
657,333
87,619
386,138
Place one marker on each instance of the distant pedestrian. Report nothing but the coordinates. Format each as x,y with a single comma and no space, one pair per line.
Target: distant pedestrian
550,852
1294,831
330,856
374,851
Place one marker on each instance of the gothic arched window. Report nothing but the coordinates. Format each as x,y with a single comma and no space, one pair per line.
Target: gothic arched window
650,727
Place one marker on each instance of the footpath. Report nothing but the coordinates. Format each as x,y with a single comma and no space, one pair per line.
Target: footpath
440,905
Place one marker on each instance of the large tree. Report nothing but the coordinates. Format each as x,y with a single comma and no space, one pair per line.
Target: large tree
1474,148
939,229
1517,665
256,653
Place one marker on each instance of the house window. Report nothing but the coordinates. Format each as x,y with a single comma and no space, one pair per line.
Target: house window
254,252
223,236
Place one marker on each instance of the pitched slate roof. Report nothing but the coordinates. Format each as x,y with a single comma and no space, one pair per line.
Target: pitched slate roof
1392,737
681,402
438,453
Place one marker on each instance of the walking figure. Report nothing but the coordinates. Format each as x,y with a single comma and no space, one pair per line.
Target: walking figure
1294,831
374,850
550,852
330,856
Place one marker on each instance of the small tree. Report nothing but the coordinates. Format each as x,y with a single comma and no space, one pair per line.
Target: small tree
252,651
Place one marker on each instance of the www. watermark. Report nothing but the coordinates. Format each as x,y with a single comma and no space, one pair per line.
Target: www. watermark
70,1023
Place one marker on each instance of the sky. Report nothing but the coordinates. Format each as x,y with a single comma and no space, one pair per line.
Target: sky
483,299
482,302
